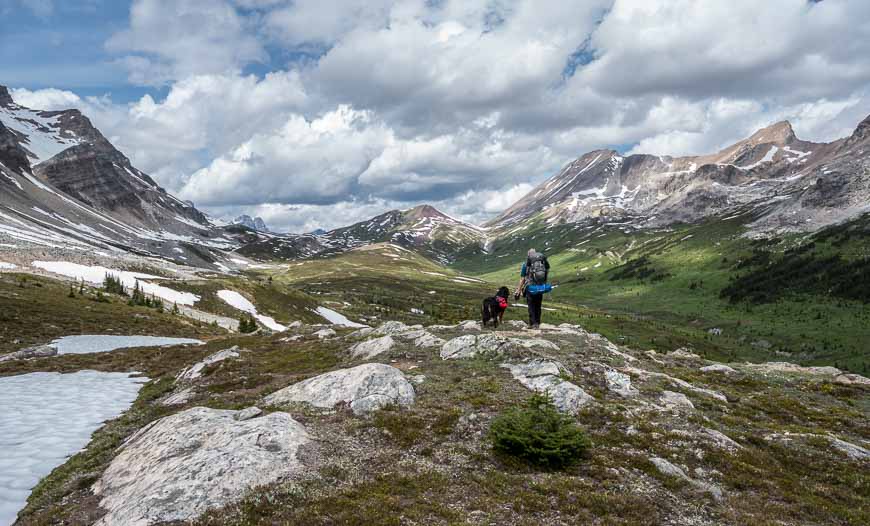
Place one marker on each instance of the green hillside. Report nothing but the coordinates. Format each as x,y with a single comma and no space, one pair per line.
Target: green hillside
798,298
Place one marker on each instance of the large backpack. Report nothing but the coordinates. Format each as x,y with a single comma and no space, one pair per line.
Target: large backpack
537,269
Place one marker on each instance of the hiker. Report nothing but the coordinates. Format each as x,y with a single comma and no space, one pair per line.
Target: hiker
533,285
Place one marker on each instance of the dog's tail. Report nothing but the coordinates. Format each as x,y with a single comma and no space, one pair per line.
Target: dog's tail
486,313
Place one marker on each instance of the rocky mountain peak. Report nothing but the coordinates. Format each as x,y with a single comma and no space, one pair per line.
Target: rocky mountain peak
780,134
863,130
254,223
422,211
5,97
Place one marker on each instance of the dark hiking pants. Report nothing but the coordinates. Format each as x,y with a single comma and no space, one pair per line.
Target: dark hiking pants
534,301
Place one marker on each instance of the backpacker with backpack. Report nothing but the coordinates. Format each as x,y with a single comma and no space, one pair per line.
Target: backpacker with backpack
537,271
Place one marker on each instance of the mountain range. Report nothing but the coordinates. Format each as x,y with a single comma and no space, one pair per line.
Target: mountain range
64,185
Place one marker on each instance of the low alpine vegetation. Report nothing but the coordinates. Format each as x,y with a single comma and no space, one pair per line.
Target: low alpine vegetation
539,434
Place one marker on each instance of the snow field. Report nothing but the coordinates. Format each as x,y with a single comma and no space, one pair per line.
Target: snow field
96,274
47,417
237,301
88,343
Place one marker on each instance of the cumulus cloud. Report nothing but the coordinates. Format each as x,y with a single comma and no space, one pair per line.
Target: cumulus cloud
169,40
463,103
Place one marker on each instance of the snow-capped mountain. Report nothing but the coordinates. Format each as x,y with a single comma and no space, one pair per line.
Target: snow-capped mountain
64,185
792,184
254,223
422,228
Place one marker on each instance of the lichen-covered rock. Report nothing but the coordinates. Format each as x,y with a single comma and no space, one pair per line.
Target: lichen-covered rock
395,327
179,397
428,341
675,401
184,464
545,376
720,439
248,413
469,325
39,351
619,383
684,354
363,388
669,469
371,348
492,344
323,334
195,371
851,379
717,368
461,347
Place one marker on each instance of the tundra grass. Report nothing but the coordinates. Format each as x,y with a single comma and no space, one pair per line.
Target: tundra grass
35,310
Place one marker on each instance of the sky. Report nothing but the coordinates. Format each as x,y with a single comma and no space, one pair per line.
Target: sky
319,113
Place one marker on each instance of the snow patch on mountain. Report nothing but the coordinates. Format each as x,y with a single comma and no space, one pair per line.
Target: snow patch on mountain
237,301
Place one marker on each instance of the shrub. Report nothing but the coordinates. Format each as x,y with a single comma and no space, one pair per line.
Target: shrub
247,324
539,434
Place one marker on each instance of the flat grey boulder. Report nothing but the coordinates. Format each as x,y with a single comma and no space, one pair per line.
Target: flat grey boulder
395,327
461,347
427,340
322,334
683,353
195,371
184,464
547,376
371,348
851,379
471,345
676,401
717,368
469,325
38,351
363,388
179,397
720,439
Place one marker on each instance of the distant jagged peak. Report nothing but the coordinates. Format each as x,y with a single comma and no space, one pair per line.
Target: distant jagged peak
254,223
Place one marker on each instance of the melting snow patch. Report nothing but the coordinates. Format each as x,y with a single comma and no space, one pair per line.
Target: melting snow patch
337,318
6,266
95,275
93,343
46,418
236,300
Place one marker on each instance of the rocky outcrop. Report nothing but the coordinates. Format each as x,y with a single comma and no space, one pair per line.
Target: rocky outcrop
678,382
619,383
717,368
363,388
39,351
471,345
547,376
198,459
667,468
675,401
195,371
323,334
371,348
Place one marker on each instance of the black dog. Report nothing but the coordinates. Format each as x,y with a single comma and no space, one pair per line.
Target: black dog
494,307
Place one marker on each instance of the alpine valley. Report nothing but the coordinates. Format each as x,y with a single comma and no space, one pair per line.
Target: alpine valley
708,331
